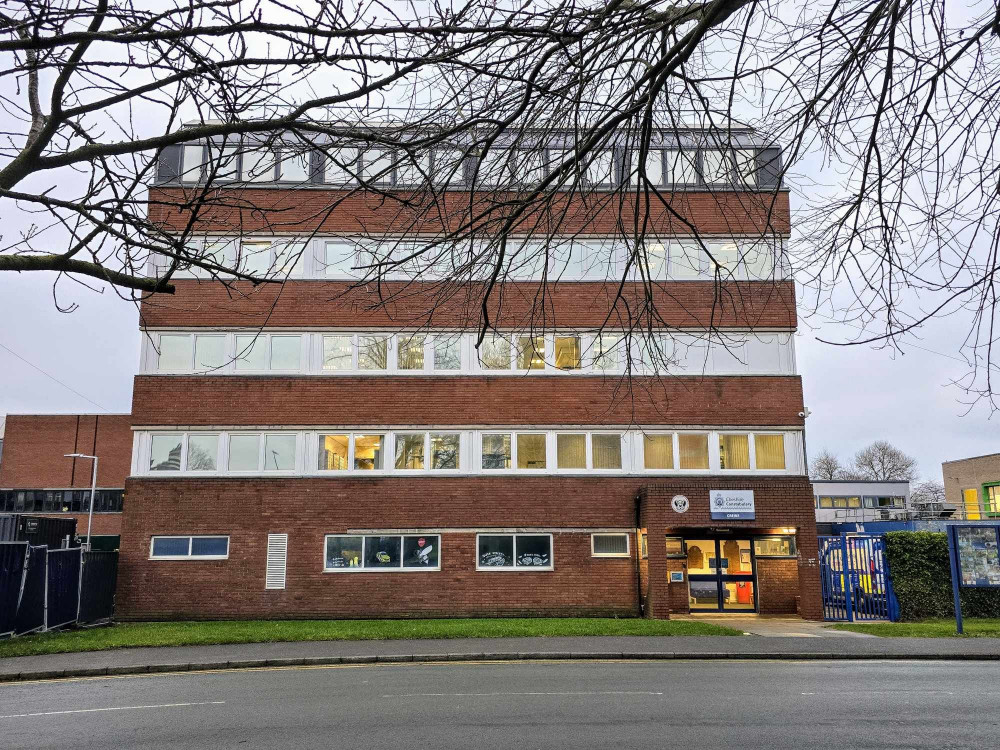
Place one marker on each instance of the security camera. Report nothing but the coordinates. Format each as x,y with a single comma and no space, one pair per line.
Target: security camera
802,413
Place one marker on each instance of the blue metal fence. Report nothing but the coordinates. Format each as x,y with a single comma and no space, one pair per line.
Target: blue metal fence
855,579
31,606
13,556
62,596
43,589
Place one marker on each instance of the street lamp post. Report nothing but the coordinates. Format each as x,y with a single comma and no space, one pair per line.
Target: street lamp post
93,491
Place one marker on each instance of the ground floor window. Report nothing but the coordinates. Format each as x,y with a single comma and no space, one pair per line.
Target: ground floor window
514,552
185,547
382,552
774,546
609,545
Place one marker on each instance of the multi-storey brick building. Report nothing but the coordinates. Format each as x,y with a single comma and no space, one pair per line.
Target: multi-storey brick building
301,451
37,478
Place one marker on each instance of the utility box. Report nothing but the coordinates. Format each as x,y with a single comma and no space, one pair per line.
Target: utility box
55,533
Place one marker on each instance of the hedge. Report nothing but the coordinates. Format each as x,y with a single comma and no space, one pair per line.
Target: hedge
921,578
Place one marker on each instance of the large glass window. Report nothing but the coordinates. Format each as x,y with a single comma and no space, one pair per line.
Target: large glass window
422,551
734,451
693,450
571,451
770,450
333,454
203,452
495,551
530,451
372,352
607,451
410,352
774,546
175,352
244,452
410,451
448,351
533,551
494,353
658,451
531,352
340,259
251,352
279,452
569,352
295,166
607,348
445,450
209,352
496,451
338,353
368,452
383,552
285,352
344,552
342,165
165,452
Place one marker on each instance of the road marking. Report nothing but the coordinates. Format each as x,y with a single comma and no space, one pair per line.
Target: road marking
114,708
884,692
494,695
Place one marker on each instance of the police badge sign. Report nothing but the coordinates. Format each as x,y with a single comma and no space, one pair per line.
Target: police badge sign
731,505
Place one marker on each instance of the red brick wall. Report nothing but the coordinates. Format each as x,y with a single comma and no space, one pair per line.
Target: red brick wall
307,509
777,585
283,210
780,502
395,305
35,446
465,400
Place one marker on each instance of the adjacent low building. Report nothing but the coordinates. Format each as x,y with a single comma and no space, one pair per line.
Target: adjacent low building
853,501
36,478
972,486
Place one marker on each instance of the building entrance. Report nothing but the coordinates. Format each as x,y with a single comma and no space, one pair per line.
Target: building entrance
722,575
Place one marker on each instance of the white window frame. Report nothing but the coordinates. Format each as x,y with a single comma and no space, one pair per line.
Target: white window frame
190,539
628,544
515,568
470,440
674,451
718,450
401,569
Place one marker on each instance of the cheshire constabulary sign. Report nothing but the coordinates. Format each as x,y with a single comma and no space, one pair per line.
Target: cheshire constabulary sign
731,505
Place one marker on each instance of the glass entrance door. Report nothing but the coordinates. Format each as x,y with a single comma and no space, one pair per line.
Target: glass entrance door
721,575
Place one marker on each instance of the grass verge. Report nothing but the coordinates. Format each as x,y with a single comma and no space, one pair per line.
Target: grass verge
272,631
932,628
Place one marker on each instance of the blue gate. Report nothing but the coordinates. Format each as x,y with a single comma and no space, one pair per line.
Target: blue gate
855,579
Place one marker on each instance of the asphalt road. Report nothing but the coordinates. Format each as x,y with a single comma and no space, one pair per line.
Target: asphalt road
678,704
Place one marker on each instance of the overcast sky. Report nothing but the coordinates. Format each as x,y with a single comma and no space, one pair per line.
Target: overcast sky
855,394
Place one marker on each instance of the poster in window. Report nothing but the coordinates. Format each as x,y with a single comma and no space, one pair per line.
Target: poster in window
421,551
978,555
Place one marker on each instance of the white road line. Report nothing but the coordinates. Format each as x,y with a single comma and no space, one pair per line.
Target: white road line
115,708
493,695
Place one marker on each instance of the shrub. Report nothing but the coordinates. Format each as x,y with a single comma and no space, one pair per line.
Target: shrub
921,578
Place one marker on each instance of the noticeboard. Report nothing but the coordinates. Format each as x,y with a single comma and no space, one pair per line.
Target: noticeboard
978,556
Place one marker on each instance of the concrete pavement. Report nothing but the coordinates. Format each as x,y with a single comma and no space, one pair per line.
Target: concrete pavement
789,645
522,706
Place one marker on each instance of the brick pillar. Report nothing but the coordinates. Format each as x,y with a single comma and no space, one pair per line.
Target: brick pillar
810,595
658,587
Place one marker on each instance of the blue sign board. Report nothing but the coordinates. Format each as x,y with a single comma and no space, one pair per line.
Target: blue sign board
731,505
974,552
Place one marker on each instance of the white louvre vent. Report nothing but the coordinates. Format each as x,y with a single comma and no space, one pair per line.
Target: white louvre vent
277,558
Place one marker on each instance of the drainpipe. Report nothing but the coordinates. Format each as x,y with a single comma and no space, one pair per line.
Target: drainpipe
638,555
